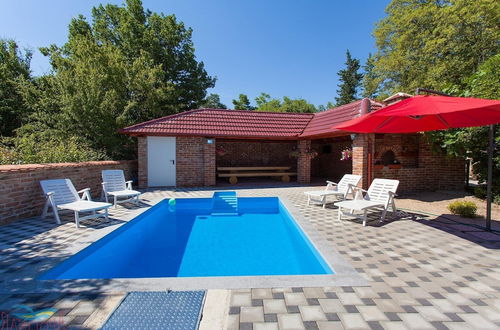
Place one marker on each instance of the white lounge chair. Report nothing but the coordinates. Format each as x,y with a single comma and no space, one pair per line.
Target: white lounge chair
339,190
114,184
62,195
379,196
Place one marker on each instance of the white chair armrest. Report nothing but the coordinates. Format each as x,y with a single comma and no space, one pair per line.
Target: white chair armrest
356,191
129,184
357,188
331,182
85,194
50,193
392,194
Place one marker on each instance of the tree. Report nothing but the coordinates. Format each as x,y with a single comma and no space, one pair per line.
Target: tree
434,44
266,103
213,102
371,81
350,80
242,103
327,106
128,65
473,141
14,69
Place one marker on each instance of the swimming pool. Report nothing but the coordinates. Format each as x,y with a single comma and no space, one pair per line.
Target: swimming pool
200,237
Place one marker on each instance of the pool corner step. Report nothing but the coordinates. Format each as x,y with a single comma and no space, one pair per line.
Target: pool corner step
224,203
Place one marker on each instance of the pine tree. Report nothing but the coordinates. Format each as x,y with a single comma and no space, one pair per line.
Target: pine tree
350,80
242,103
371,80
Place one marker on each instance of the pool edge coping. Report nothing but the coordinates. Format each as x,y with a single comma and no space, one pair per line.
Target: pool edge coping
344,273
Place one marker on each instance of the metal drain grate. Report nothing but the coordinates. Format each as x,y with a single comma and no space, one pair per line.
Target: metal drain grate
158,310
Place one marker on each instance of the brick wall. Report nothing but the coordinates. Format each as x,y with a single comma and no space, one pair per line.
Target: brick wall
303,162
254,153
209,163
20,192
142,160
360,150
328,165
423,169
190,161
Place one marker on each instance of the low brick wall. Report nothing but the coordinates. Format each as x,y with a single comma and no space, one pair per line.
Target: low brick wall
20,192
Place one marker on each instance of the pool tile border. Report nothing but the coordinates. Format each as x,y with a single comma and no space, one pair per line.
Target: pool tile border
345,274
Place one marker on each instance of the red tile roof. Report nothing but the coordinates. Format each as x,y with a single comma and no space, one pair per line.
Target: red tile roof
226,123
322,123
247,124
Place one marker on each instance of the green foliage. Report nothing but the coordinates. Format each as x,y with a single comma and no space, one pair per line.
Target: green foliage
327,106
350,80
129,65
14,70
466,209
242,103
485,82
43,148
266,103
434,43
213,102
473,141
371,80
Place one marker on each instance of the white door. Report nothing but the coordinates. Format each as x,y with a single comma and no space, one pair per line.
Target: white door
161,161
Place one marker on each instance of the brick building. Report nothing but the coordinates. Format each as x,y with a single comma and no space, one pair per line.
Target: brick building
187,148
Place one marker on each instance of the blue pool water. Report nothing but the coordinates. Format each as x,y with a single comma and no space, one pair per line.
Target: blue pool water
200,237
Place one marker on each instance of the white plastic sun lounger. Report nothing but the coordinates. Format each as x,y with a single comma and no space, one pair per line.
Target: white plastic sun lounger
114,185
379,196
62,195
339,190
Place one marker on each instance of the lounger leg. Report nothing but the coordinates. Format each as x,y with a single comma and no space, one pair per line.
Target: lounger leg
77,219
106,214
384,212
324,201
339,217
365,218
115,201
137,200
45,208
56,215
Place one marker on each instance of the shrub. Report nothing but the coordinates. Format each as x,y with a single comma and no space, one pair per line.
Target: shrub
32,149
465,209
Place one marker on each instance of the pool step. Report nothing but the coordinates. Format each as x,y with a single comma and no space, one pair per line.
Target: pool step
224,203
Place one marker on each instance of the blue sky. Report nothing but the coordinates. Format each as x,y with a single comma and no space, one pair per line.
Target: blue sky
284,48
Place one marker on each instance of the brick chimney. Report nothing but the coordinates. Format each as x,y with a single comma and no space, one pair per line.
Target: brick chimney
396,98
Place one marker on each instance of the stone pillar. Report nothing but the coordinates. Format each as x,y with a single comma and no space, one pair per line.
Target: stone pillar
303,162
142,160
209,163
360,150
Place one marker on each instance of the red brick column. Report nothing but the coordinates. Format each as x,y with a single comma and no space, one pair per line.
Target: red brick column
209,163
142,159
303,162
360,158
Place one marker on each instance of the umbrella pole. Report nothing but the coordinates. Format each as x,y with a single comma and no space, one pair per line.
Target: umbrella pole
490,176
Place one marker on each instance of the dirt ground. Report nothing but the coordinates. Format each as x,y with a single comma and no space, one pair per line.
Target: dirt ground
437,202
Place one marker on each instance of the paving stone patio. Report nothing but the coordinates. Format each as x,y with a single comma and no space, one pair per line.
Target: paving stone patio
423,273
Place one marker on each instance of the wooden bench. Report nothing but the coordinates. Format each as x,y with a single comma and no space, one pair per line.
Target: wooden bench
255,171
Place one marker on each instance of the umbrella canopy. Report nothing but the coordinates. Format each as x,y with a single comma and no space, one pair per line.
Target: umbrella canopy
429,113
426,113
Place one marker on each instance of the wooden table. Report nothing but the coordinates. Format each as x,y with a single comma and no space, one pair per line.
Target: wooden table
255,171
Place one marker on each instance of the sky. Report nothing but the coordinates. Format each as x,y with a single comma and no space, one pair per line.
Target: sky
288,48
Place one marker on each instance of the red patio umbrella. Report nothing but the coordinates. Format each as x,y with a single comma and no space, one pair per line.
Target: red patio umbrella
429,113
